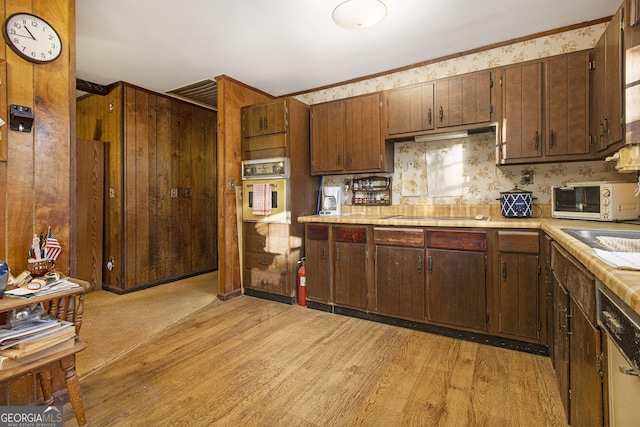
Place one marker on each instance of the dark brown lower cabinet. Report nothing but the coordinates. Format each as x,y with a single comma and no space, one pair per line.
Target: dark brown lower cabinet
400,280
577,355
318,262
350,267
457,278
520,298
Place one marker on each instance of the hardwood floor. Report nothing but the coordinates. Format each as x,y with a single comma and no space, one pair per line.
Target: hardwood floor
253,362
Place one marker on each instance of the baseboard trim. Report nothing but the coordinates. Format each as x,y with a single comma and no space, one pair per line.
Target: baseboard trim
269,296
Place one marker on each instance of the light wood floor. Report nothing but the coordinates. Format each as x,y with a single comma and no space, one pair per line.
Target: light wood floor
252,362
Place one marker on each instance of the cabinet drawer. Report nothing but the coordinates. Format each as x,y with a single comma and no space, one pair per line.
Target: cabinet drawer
411,237
317,232
266,261
264,237
350,234
265,281
527,242
457,240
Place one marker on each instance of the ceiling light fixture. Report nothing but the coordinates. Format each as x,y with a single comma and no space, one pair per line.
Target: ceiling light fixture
359,14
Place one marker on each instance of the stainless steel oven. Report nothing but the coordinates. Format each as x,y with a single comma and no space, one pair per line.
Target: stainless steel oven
622,327
265,190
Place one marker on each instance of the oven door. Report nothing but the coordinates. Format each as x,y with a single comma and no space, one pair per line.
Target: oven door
576,202
257,209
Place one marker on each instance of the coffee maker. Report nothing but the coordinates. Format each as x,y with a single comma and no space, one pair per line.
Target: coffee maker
331,201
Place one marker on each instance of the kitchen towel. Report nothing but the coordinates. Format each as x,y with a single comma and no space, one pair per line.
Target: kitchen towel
261,199
619,244
621,260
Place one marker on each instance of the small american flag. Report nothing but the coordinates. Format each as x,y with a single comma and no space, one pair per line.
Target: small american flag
52,246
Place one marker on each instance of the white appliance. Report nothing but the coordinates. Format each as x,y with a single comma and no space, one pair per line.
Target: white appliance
331,201
597,200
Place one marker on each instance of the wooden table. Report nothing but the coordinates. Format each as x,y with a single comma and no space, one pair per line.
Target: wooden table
64,305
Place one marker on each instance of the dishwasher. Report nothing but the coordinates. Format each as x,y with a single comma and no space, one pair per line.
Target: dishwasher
622,327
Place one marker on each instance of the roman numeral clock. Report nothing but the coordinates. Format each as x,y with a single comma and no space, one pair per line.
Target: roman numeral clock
32,38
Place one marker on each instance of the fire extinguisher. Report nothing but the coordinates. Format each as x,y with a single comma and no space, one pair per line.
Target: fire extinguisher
302,283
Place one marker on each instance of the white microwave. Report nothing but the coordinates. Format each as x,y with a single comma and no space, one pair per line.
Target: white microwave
599,201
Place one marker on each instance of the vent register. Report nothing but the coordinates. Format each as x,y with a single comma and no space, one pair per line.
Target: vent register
204,92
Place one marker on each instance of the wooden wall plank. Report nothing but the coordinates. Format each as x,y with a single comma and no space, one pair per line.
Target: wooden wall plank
152,231
185,185
163,180
140,205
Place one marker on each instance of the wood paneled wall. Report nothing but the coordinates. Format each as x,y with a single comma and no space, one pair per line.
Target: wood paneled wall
36,180
155,145
37,183
232,96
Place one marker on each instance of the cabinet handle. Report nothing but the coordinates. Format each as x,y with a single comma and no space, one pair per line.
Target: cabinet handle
349,162
339,159
536,140
266,125
263,244
324,254
261,127
265,263
264,282
430,264
606,126
337,255
420,264
504,270
551,138
429,116
441,114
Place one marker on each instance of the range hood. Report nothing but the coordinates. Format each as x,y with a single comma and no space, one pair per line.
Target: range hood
441,136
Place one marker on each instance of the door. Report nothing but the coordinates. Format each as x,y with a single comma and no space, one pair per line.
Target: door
350,267
363,134
410,109
318,263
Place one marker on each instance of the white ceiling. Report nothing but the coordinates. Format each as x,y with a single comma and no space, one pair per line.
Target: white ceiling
288,46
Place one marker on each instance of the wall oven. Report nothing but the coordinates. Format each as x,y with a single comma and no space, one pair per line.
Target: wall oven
265,190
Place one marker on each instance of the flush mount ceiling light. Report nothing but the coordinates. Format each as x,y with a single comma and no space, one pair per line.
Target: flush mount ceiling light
359,14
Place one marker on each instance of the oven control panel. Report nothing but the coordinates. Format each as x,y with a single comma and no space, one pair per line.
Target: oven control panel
265,168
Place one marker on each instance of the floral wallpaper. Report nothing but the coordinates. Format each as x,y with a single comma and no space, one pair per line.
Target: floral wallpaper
464,171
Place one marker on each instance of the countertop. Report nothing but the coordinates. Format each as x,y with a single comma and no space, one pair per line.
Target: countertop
624,283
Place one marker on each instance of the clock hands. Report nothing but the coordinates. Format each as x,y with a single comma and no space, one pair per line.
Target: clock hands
27,28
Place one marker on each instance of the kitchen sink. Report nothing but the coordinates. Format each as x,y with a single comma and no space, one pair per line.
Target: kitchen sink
588,236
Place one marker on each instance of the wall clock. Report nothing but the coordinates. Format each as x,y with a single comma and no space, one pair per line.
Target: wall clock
32,38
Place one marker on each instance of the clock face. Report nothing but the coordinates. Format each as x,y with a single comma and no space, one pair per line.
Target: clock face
32,38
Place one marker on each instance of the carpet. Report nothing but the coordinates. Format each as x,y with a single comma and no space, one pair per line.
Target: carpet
115,324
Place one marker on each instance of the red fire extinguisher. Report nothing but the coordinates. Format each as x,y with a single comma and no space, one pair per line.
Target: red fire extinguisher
302,284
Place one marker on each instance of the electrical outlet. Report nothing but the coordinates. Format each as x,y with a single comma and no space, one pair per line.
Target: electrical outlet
527,177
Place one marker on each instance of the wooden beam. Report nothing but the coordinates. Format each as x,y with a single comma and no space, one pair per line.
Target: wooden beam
94,88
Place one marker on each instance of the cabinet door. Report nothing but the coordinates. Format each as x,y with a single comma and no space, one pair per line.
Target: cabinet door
521,112
598,95
519,296
350,267
400,281
456,288
253,122
264,119
449,102
585,378
275,117
560,353
567,112
317,263
327,137
613,80
364,142
410,109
